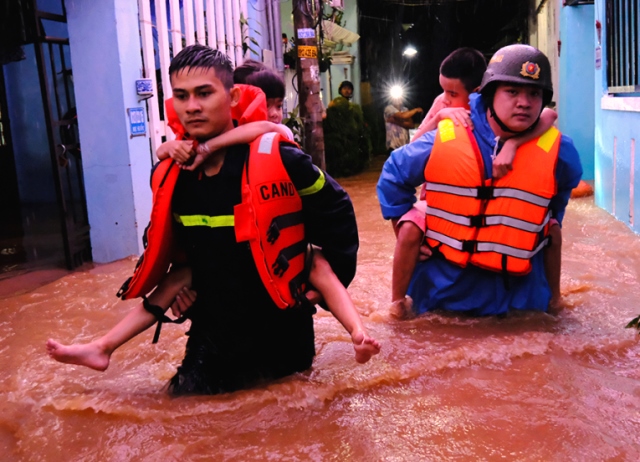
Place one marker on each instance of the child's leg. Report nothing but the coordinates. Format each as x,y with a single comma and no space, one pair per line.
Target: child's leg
96,354
405,257
339,303
553,264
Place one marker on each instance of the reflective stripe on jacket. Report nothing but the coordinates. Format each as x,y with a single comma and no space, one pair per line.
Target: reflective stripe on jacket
497,225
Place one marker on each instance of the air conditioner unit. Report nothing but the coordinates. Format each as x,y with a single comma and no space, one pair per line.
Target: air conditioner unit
337,4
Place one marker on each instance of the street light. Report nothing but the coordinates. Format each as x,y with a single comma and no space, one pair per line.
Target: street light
410,51
396,92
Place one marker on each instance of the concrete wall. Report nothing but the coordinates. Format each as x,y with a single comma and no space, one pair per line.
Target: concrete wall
106,61
617,127
576,103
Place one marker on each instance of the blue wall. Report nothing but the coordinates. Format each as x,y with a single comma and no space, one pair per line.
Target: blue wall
106,60
576,105
615,132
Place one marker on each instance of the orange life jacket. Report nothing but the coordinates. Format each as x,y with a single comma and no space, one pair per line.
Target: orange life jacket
499,224
158,235
269,217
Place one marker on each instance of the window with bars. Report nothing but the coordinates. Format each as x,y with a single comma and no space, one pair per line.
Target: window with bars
622,46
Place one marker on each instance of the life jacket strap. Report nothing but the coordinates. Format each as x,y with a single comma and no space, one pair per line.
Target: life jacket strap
124,287
488,193
282,262
472,246
469,246
480,221
508,250
158,313
283,221
521,195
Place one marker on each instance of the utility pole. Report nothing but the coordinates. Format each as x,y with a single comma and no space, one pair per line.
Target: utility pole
306,15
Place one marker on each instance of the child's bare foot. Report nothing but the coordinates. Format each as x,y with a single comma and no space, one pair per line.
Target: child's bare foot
364,346
402,308
88,354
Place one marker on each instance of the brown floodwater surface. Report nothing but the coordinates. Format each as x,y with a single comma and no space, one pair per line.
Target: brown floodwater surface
530,387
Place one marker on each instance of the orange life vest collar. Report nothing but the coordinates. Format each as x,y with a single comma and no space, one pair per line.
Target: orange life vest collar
497,225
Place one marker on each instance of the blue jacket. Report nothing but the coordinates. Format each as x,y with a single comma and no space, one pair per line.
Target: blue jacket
437,283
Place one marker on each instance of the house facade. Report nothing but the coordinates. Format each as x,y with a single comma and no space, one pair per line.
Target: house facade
598,92
82,92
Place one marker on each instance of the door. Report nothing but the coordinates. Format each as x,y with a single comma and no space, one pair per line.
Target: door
56,87
44,215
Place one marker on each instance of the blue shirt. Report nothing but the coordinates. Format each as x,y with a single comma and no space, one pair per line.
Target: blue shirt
437,283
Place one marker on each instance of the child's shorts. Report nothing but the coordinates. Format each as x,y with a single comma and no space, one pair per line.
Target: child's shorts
417,215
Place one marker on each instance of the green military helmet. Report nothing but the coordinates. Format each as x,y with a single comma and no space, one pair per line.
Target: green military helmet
520,64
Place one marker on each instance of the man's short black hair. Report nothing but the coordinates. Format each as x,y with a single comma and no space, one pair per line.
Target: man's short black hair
201,56
467,65
247,68
268,81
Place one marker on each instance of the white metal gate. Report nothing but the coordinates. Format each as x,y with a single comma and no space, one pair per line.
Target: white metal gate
166,26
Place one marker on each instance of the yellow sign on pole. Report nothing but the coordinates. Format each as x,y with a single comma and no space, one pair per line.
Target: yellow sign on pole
306,51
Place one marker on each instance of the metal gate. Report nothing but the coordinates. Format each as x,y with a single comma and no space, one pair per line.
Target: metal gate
166,26
56,86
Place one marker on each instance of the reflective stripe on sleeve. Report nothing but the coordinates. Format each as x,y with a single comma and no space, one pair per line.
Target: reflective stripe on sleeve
315,187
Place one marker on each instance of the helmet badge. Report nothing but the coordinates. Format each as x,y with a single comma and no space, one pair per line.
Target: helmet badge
531,70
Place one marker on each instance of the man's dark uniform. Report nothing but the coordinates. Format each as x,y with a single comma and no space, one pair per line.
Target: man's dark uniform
238,336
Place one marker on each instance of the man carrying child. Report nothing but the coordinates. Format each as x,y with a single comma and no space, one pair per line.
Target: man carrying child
486,233
244,222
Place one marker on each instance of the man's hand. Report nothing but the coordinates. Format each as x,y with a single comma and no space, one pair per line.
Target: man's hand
183,301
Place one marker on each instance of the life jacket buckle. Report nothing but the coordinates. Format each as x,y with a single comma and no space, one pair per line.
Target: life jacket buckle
469,246
280,266
273,233
478,221
485,192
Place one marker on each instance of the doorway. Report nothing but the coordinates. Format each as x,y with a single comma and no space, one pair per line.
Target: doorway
46,221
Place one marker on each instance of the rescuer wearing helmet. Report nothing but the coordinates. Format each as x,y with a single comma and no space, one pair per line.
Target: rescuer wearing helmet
486,233
346,89
345,95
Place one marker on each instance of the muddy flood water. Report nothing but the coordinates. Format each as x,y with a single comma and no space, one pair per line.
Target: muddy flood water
528,387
